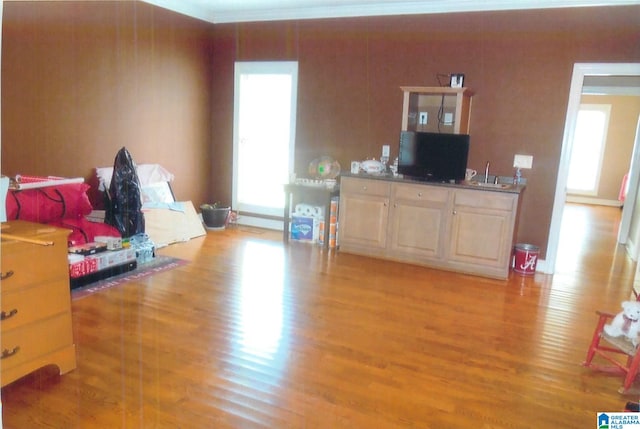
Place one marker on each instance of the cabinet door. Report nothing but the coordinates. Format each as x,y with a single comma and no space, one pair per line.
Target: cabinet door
364,211
418,221
482,228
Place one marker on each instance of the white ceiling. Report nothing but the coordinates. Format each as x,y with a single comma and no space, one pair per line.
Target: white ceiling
226,11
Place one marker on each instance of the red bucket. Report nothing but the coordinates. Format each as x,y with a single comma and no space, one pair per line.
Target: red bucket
525,259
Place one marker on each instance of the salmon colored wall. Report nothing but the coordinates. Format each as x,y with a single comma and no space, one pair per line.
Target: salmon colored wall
80,80
519,63
623,120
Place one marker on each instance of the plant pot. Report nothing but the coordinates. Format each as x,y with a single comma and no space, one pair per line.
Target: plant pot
215,217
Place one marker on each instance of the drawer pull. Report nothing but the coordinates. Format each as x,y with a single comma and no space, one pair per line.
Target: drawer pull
6,275
4,315
419,194
6,353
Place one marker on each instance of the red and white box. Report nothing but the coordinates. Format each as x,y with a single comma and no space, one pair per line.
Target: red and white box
83,267
111,258
113,243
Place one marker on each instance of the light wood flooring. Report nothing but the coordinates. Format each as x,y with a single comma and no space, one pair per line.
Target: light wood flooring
256,334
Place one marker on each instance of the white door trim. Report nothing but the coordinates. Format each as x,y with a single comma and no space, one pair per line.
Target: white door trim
580,70
262,67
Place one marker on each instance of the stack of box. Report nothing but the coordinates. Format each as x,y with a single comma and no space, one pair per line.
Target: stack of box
333,224
82,264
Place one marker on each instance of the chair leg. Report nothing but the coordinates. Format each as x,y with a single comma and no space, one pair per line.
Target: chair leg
633,365
595,341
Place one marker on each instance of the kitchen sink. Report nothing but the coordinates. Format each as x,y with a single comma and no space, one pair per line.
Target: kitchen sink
491,185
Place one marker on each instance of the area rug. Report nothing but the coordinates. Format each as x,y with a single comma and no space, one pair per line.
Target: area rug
157,265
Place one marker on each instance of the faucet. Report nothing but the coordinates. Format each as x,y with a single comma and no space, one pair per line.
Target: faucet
486,173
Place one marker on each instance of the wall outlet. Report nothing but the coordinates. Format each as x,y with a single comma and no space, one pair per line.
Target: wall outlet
523,161
386,150
423,118
448,118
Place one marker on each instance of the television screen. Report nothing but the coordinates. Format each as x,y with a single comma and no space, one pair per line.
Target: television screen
433,157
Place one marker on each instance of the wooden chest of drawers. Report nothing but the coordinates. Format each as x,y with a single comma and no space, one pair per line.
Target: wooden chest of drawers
35,302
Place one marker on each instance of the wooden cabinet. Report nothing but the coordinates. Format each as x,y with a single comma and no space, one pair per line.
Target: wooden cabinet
363,214
419,221
443,226
439,103
35,317
482,232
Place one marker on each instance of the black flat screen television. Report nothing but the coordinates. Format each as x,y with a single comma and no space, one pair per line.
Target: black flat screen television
433,157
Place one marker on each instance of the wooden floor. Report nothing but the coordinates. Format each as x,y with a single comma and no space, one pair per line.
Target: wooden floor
255,334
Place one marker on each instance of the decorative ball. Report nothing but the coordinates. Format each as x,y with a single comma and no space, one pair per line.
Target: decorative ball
324,167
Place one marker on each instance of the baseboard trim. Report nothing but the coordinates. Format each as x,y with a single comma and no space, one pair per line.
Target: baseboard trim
541,267
593,201
631,247
260,222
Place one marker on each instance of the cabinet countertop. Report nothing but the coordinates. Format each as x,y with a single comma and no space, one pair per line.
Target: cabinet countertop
460,185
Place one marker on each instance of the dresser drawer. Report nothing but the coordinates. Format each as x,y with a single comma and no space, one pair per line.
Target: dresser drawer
486,200
25,264
29,304
379,188
421,193
34,340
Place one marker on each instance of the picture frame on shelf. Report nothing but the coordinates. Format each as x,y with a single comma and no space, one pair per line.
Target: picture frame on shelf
457,80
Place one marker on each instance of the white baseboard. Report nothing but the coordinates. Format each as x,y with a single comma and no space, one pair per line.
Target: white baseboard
591,200
632,249
541,267
258,222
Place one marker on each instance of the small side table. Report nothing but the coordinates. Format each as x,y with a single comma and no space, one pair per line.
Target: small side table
314,195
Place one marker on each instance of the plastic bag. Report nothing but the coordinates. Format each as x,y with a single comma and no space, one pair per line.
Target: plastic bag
144,247
124,203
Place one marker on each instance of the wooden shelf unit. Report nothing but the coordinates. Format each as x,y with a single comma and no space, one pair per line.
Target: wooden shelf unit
436,102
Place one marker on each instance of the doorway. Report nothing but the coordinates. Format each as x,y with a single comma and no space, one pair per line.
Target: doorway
263,139
592,127
580,72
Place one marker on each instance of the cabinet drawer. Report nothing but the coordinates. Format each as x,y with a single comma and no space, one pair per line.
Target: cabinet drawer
25,264
30,304
31,341
485,199
365,186
420,193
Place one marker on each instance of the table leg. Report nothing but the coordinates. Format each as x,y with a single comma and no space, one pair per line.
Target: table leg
287,210
327,219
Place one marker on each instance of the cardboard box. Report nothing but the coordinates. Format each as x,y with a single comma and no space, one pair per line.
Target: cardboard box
165,226
113,243
111,258
333,234
305,228
83,267
88,248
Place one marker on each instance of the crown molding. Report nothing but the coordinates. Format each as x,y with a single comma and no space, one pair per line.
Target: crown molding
233,11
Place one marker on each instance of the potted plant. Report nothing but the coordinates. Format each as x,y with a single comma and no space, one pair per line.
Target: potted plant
215,215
